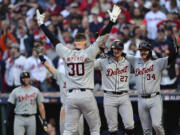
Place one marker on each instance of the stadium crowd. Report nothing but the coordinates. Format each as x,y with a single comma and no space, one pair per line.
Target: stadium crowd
141,20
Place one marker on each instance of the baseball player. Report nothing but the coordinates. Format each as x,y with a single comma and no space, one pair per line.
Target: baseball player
61,81
79,67
23,102
115,72
148,78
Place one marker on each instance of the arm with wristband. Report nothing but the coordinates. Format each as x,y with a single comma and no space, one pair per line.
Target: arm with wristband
113,17
50,68
174,53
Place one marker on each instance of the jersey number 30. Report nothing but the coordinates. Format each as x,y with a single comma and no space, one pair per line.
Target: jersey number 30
76,69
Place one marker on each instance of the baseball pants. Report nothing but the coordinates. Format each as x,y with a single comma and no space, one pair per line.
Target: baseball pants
25,124
77,103
62,121
114,103
150,113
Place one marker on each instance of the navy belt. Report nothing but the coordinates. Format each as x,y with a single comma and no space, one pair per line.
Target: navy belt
82,89
25,115
114,92
150,95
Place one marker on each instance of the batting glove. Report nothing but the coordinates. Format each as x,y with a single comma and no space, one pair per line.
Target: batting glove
115,13
40,17
45,125
42,59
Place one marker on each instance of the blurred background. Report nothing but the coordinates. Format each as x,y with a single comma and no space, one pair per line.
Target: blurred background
155,21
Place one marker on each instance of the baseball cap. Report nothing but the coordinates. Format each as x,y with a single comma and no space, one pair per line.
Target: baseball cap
155,4
74,5
66,22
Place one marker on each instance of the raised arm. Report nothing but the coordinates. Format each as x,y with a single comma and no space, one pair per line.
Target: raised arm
40,20
113,17
50,68
174,53
104,34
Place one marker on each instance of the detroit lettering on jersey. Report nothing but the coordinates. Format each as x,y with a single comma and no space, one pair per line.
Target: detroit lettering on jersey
144,70
26,97
111,72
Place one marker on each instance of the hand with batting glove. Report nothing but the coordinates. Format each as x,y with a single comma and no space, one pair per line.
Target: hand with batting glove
45,124
115,13
42,59
40,17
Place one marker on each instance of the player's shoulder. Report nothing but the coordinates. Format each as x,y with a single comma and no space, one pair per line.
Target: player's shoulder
161,59
125,60
22,57
17,89
101,59
35,89
30,58
148,14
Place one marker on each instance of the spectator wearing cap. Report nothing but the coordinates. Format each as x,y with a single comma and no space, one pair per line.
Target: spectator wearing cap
132,43
53,7
152,18
38,72
14,66
161,43
66,25
25,41
172,20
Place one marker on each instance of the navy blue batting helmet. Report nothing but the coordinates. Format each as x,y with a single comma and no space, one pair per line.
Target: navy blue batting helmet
145,45
24,75
117,44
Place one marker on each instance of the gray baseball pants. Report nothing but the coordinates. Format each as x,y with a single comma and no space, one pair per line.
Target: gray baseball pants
77,103
24,125
114,103
150,113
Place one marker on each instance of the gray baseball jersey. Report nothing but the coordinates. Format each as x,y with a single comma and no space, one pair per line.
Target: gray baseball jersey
148,78
148,74
25,100
61,81
115,75
78,65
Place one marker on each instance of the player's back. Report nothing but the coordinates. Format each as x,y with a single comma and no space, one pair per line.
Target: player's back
79,65
80,71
